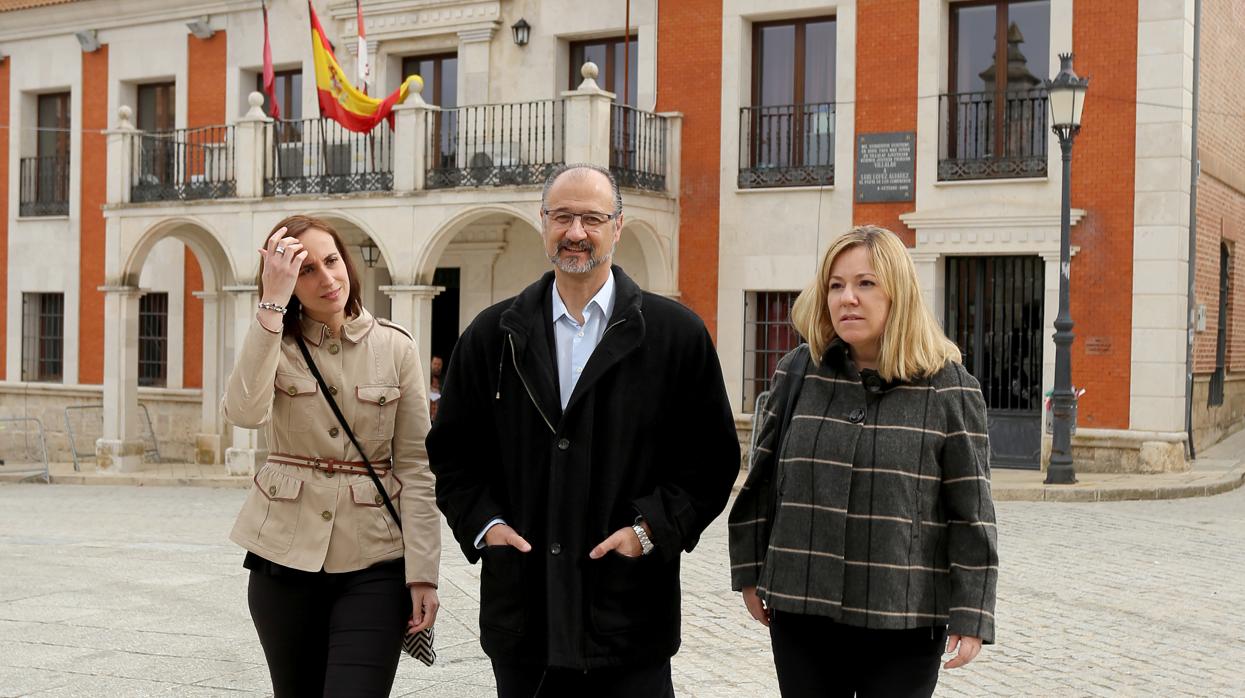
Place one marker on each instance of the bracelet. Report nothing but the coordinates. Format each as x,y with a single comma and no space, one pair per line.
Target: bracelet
264,305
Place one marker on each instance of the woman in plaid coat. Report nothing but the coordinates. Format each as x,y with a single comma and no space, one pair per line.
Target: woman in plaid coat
864,536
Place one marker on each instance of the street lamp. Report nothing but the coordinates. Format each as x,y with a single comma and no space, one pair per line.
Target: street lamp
1066,93
370,253
522,32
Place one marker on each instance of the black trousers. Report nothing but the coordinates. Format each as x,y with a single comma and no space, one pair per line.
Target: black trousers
816,657
527,681
330,635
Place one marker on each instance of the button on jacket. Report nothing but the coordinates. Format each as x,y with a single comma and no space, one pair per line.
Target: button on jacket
311,519
647,432
875,511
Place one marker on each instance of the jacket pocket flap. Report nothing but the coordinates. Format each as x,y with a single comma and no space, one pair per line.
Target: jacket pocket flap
379,394
295,386
366,494
277,486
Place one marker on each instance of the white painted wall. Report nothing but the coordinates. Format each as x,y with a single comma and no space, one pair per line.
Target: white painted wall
771,239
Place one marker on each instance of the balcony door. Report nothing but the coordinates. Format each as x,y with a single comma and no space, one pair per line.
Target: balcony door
51,165
787,135
157,117
617,60
995,108
440,76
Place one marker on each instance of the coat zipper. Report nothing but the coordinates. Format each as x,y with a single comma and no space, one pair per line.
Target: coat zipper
523,380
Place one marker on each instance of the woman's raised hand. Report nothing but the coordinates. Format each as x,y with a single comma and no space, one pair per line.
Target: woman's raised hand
283,258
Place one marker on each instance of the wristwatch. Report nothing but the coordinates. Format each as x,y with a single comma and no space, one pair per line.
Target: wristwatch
646,544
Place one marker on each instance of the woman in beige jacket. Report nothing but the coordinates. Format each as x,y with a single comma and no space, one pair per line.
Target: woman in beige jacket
329,586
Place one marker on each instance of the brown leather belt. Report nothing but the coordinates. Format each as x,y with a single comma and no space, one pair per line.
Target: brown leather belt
329,465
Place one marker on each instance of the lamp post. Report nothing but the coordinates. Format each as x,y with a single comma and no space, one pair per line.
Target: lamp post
1066,93
370,253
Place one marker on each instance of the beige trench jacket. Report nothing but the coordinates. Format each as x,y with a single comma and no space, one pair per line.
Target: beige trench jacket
309,519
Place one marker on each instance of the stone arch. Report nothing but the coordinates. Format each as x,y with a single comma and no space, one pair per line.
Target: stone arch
219,270
658,271
120,446
426,260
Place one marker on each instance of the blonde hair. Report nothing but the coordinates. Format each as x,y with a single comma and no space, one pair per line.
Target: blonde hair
913,344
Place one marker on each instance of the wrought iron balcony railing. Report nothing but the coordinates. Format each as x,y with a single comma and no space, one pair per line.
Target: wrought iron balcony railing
320,156
638,148
992,135
44,187
788,145
495,144
184,164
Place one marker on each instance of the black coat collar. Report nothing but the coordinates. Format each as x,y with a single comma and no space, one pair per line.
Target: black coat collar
528,321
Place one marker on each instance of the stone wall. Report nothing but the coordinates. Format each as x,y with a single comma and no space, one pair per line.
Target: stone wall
1212,424
176,417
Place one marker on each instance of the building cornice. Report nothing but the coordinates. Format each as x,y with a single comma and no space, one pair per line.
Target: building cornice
394,19
55,20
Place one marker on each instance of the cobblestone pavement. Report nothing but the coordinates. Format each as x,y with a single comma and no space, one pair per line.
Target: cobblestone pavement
135,591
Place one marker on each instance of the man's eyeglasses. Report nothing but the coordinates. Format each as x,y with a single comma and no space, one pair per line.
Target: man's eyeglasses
563,220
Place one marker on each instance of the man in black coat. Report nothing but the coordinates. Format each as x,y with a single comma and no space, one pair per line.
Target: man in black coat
583,441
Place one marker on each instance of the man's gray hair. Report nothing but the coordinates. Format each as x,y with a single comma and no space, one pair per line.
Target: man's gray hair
563,169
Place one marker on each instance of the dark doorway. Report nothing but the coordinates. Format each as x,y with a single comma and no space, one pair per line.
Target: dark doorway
995,315
445,312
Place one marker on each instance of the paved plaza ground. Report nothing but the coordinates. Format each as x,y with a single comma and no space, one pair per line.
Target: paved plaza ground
135,591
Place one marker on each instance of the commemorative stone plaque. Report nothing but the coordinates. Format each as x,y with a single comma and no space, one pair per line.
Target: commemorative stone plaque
885,167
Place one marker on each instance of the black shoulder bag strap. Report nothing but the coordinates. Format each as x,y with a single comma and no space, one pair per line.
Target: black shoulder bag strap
302,346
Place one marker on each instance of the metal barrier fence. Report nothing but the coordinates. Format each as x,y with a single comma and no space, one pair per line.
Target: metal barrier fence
184,164
786,145
90,427
26,462
44,188
637,148
992,135
495,144
320,156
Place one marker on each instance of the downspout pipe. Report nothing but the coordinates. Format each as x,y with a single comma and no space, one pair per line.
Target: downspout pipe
1195,169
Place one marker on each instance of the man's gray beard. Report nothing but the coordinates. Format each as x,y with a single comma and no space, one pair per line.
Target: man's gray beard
572,266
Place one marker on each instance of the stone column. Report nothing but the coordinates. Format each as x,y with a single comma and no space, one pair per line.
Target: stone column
247,450
411,140
120,447
412,309
930,278
121,145
587,126
209,442
674,151
473,65
249,154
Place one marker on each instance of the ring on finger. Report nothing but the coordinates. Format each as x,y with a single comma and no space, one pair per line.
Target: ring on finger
280,249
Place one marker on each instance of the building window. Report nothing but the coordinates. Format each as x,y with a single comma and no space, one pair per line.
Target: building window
993,116
768,336
288,86
617,60
44,188
787,135
43,332
1221,333
157,107
440,75
153,339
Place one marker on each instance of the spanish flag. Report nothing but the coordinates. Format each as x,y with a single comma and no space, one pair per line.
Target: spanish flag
339,100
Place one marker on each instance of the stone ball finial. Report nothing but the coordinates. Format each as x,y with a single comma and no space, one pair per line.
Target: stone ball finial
256,112
417,85
125,118
589,71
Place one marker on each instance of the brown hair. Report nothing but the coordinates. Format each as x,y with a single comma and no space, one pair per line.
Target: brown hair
295,226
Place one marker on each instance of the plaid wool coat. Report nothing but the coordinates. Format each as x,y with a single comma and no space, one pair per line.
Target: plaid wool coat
875,510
